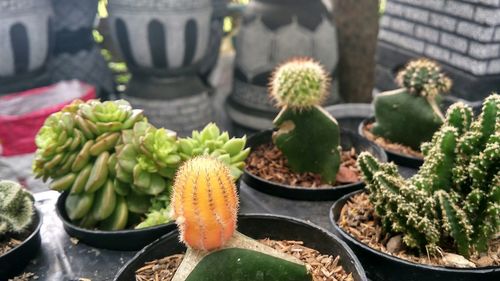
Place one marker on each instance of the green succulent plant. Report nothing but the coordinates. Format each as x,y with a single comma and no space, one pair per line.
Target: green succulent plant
307,135
410,115
16,208
456,192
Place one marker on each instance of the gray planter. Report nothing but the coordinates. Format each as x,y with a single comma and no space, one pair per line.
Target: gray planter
273,31
75,55
25,43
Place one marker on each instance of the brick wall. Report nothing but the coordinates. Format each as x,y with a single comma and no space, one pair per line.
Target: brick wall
462,33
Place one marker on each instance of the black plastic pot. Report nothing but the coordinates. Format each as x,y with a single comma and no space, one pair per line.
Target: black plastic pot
396,157
382,267
14,261
348,139
122,240
257,226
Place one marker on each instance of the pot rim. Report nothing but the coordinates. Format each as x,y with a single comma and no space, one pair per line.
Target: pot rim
35,232
63,217
341,202
343,244
383,158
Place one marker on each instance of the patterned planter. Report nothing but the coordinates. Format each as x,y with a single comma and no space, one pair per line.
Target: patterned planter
75,55
25,43
273,31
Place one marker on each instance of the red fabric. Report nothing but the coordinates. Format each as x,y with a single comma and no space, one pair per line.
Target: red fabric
17,133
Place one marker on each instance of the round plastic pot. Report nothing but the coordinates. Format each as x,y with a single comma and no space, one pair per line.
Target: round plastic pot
122,240
257,226
381,267
396,157
14,261
348,139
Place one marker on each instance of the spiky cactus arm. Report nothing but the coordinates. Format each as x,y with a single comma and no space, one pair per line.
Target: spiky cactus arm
308,136
16,208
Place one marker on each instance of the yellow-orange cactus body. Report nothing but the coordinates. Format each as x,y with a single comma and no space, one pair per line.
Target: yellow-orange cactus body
205,203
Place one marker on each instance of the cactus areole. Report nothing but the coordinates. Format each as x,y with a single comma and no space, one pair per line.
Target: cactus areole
307,135
410,115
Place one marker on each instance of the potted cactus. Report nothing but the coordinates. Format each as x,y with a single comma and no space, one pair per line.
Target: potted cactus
205,206
306,156
19,228
444,221
115,169
409,116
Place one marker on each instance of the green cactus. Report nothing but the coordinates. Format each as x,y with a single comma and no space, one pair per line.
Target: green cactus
456,192
16,208
210,141
308,136
411,115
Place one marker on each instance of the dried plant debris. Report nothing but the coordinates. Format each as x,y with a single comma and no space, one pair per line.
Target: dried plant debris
322,267
8,245
26,276
388,145
358,218
269,163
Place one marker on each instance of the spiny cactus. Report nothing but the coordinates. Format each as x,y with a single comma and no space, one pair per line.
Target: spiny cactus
307,135
205,203
210,141
411,115
16,208
456,192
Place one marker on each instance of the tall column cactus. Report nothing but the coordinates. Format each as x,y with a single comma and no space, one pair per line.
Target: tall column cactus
16,208
456,192
307,135
411,115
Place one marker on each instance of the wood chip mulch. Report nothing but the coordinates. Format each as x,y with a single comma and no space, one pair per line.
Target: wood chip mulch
388,145
358,218
26,276
269,163
8,245
321,267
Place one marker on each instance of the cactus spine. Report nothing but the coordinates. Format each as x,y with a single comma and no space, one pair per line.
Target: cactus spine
205,203
307,135
411,115
456,192
16,208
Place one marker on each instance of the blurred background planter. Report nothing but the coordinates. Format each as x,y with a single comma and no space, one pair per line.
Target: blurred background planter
75,54
26,28
271,32
164,43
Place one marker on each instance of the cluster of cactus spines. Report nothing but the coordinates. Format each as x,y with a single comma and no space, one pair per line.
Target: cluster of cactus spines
299,83
456,192
205,203
308,136
423,77
210,141
16,208
410,115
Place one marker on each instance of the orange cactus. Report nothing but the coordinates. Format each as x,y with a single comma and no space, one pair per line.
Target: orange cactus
205,203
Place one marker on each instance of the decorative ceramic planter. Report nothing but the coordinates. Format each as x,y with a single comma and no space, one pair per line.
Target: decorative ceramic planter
257,227
273,31
75,55
121,240
14,261
26,41
348,139
380,266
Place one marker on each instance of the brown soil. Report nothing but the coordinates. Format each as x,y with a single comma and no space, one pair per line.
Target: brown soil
358,218
388,145
269,163
321,267
8,244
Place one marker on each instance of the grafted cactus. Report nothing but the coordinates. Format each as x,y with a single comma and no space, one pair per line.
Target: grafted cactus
16,208
411,115
210,141
307,135
456,192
